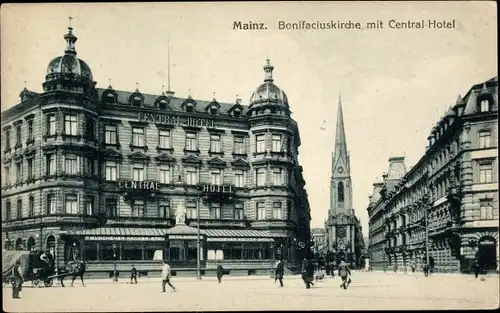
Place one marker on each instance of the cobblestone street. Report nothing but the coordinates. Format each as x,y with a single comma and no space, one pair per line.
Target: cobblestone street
374,290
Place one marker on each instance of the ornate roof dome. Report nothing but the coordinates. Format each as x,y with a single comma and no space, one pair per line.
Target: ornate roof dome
268,91
69,63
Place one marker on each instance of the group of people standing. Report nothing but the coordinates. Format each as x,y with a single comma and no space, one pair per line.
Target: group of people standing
307,272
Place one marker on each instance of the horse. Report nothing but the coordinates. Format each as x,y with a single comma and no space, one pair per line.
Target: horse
74,269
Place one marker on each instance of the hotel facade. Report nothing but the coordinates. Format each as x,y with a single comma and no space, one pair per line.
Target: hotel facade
447,204
123,177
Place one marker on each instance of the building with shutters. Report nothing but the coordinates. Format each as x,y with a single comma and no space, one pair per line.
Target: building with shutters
446,205
102,174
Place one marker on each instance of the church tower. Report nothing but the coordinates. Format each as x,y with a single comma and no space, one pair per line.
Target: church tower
340,181
342,227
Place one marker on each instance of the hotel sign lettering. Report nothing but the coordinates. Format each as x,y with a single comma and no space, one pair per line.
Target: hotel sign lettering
141,185
175,120
123,238
224,189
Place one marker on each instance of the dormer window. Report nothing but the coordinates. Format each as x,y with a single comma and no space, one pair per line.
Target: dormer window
189,108
484,105
236,113
110,98
213,110
137,101
163,104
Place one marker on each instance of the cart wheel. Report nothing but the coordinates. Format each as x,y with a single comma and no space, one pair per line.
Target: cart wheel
48,282
35,282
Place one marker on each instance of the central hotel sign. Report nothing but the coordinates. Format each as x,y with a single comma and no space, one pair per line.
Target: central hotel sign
174,120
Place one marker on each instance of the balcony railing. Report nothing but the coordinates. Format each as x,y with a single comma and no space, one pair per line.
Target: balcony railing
218,222
49,219
139,221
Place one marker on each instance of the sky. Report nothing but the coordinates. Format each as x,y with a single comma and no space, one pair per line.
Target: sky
395,83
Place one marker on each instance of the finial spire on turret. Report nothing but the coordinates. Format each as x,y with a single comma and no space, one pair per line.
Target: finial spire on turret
109,86
70,39
162,90
268,71
136,86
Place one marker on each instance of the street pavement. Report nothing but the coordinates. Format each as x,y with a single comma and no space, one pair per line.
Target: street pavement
369,290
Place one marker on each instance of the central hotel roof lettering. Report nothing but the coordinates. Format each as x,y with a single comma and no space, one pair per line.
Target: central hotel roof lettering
174,120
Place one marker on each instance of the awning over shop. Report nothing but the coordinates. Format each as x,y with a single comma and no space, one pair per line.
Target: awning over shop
119,234
240,235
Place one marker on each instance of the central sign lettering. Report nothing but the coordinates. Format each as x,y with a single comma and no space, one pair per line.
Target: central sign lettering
175,120
144,185
218,189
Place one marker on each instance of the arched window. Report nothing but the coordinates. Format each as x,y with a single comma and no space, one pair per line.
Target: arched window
340,192
189,108
163,104
236,113
213,110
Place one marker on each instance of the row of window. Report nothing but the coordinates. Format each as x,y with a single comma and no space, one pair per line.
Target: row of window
139,136
191,175
138,208
70,129
191,140
72,166
70,206
189,107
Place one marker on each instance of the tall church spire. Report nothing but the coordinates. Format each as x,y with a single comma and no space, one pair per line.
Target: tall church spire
340,149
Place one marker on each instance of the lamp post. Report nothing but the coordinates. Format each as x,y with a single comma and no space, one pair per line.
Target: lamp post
115,277
198,252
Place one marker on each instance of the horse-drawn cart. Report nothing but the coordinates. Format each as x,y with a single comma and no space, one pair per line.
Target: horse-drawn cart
34,269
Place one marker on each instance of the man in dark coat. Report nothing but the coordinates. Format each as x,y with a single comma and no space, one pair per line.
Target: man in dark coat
220,272
476,268
133,275
17,280
307,272
279,271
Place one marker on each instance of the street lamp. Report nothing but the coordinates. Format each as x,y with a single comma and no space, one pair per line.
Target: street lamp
115,277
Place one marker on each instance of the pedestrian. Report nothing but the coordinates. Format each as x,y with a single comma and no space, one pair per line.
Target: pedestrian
133,275
307,273
17,280
220,272
166,273
395,268
413,268
426,269
81,271
345,274
405,269
279,271
476,268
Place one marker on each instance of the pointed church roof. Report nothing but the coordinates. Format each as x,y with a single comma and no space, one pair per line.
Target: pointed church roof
340,149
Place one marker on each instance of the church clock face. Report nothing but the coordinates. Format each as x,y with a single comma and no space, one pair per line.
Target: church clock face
340,170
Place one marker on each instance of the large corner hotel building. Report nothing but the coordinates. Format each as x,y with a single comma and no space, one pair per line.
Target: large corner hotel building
126,176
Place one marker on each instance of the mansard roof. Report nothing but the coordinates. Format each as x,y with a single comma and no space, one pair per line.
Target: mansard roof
175,103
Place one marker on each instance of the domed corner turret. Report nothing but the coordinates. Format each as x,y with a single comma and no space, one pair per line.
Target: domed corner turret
268,98
67,72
